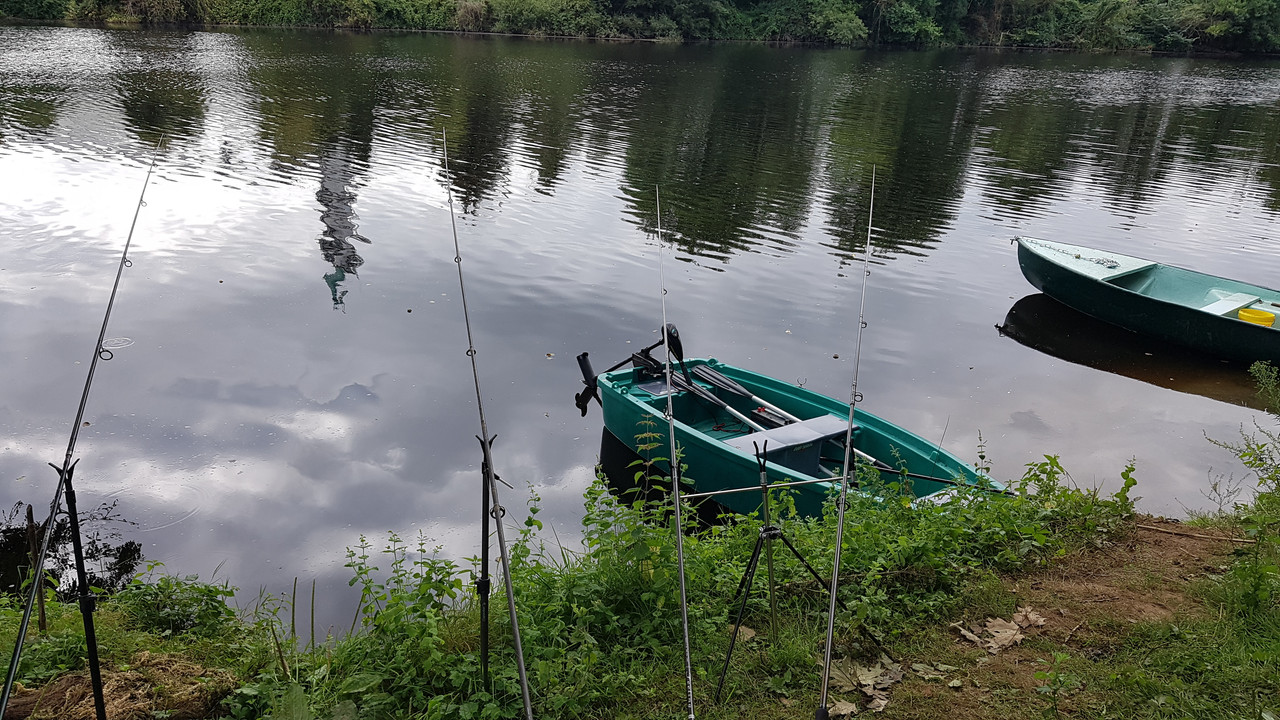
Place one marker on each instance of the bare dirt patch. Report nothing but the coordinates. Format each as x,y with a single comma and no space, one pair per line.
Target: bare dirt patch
153,686
1141,577
1089,600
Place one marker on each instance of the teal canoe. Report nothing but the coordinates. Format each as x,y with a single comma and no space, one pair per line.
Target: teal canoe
1222,318
803,433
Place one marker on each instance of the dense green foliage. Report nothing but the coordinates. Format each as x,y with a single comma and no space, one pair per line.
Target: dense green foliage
1173,25
157,614
601,625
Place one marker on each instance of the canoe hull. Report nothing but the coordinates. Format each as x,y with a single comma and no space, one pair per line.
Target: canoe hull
1179,318
636,418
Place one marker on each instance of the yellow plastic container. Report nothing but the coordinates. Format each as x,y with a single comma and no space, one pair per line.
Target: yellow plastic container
1259,317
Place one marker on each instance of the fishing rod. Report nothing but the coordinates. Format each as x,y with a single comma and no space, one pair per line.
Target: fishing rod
668,345
489,492
86,599
822,711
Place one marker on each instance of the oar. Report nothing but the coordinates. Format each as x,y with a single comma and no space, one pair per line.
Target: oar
715,377
883,467
697,391
718,379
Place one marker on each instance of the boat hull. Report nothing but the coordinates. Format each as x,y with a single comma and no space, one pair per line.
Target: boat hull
1162,301
636,417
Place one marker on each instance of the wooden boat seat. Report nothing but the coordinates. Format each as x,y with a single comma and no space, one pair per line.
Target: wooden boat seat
798,445
1230,303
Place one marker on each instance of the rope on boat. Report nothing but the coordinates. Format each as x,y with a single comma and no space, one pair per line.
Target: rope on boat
1107,263
675,466
64,485
490,478
854,397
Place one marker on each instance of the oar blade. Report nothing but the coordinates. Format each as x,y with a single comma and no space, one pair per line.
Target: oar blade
717,378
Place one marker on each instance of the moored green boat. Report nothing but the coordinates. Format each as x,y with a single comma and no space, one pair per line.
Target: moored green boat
1222,318
719,429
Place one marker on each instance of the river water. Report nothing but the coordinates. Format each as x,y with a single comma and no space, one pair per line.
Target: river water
290,367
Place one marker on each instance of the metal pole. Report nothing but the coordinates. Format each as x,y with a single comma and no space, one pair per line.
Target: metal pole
821,713
33,541
764,490
675,469
482,583
489,478
86,598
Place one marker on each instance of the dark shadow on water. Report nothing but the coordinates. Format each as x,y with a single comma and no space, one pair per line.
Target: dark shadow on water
1042,323
619,464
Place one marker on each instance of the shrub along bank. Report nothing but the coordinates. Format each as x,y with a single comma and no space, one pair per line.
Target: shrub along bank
601,624
1250,26
602,633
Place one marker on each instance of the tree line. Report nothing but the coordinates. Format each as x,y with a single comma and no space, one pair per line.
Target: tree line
1243,26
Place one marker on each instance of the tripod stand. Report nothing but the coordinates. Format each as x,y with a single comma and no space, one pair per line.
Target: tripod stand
768,533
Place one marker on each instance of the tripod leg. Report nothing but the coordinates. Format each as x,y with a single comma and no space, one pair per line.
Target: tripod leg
87,601
808,567
773,602
865,630
747,577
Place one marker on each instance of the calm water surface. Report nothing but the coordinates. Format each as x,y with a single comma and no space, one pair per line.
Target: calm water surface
296,375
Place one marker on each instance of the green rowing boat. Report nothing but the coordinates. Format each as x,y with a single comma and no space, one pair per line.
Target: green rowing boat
723,415
1225,319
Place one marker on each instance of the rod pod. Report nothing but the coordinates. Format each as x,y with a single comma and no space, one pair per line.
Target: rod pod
490,482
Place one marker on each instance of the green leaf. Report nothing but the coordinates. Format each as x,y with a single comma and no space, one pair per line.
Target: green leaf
361,683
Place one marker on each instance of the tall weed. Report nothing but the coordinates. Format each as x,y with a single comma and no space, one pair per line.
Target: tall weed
1252,585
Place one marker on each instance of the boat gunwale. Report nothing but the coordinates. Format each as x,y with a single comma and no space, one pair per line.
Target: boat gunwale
1029,244
940,460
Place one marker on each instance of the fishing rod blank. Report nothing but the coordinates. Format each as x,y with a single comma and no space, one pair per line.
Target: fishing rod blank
489,493
822,712
65,472
670,341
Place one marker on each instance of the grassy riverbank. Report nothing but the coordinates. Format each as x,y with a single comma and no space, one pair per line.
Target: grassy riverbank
1249,26
1123,621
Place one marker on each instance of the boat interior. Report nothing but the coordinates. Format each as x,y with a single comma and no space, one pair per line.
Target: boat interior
814,446
1213,295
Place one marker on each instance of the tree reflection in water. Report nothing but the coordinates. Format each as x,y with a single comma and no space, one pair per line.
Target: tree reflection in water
338,199
110,563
